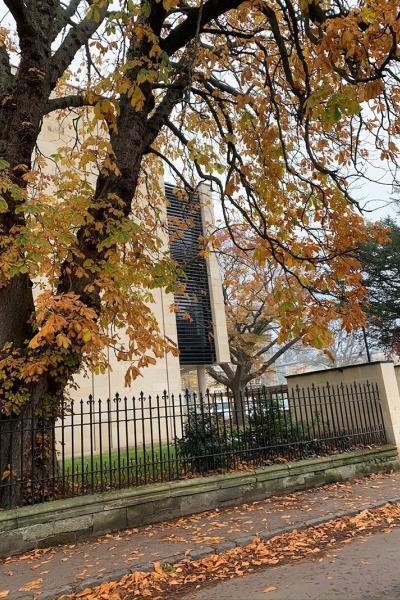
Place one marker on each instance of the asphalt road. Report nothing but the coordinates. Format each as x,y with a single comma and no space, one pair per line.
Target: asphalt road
365,569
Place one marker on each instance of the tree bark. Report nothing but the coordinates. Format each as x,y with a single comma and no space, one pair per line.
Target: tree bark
236,385
17,143
28,460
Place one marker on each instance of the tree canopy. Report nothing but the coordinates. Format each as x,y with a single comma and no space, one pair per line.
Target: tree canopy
268,312
280,104
381,277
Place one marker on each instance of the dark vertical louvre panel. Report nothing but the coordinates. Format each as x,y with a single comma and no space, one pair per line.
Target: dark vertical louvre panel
195,335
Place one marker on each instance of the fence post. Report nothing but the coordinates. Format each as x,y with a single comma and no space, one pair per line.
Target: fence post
390,400
201,380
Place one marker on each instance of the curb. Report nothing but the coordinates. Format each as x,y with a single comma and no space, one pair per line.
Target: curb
238,542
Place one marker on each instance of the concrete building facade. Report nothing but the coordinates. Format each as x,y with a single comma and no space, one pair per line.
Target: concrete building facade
165,375
202,340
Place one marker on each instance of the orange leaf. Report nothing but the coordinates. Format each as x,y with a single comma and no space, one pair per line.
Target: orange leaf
32,585
271,588
4,593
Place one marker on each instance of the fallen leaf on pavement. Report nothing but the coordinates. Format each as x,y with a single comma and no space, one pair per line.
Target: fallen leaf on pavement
32,585
296,545
4,593
271,588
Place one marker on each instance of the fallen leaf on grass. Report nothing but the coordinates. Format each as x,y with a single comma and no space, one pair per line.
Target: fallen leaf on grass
271,588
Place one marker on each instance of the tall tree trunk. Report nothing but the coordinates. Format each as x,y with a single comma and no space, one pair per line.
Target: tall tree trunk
17,445
24,110
23,101
16,302
238,409
28,461
134,133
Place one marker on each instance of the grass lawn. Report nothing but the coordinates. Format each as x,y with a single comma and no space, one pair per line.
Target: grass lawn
127,466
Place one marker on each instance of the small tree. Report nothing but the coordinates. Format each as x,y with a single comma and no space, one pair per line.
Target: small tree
268,312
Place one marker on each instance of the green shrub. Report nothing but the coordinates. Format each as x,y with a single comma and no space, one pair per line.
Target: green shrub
269,433
204,445
267,425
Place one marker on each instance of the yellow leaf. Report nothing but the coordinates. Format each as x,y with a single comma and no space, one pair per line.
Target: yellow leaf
168,4
62,341
86,336
35,342
138,98
260,255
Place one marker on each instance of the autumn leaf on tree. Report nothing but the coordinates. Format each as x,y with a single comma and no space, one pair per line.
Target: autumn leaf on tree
270,310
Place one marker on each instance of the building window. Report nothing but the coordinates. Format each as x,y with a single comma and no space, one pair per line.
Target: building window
194,319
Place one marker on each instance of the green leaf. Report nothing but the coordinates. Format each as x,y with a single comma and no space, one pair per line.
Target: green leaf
31,209
352,107
94,13
3,205
338,105
146,9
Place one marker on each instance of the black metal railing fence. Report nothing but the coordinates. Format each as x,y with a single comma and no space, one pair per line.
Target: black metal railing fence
95,445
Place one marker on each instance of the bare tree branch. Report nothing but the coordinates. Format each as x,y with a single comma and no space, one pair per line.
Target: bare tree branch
172,97
71,101
218,376
173,168
78,35
185,31
261,370
64,16
21,15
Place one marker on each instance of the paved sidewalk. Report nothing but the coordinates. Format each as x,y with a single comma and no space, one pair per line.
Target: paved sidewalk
47,573
365,569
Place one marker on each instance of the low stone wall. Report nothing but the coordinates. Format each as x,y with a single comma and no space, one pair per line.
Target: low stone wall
65,521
